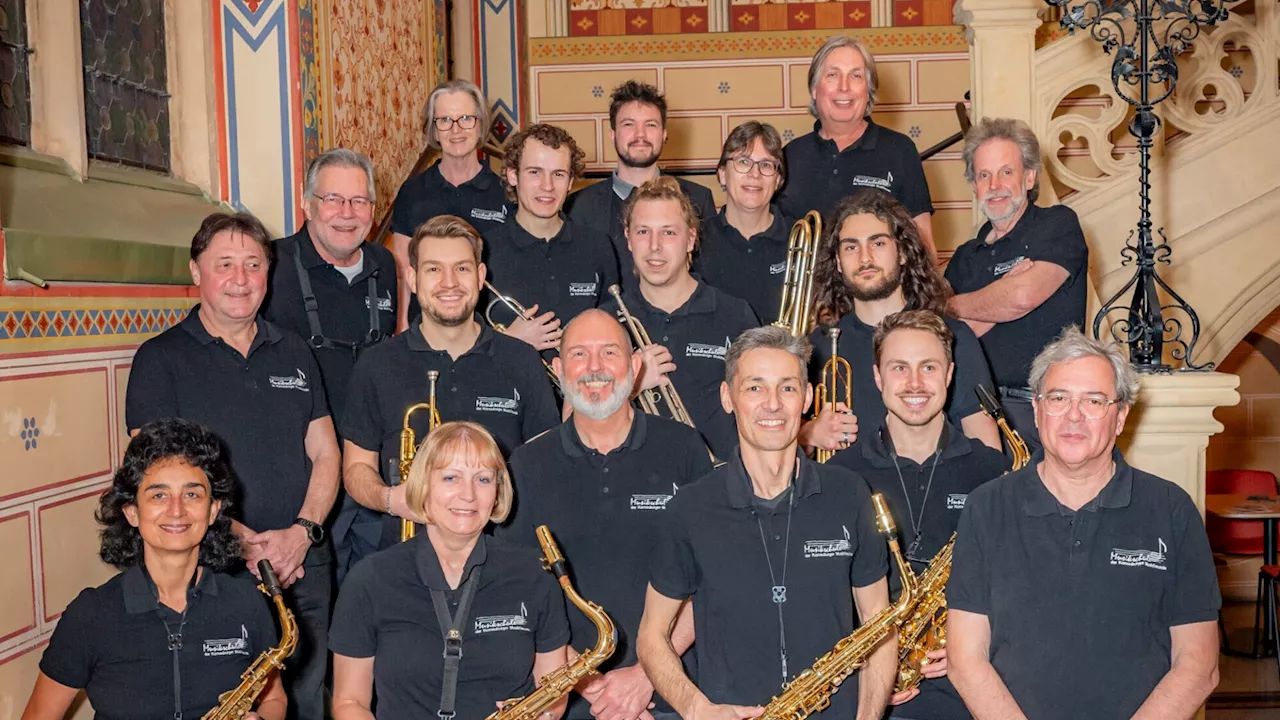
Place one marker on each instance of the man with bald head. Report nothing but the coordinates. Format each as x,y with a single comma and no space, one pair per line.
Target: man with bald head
602,480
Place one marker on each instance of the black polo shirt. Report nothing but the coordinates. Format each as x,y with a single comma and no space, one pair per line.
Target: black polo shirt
384,611
698,334
749,268
605,512
927,498
112,642
598,207
567,274
1051,234
481,201
261,406
1100,586
820,175
713,548
857,347
343,309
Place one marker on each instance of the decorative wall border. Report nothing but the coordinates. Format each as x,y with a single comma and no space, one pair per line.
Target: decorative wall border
67,324
500,46
310,100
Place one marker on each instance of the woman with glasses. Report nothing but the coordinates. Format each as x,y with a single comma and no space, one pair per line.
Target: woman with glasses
744,247
456,121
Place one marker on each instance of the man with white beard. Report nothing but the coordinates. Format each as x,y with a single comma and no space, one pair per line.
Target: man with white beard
1025,276
601,482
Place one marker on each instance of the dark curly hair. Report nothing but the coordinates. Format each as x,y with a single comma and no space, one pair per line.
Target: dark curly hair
923,287
156,442
635,91
553,137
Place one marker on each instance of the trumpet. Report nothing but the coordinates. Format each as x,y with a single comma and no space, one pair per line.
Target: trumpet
1017,446
836,373
796,311
521,312
409,443
649,399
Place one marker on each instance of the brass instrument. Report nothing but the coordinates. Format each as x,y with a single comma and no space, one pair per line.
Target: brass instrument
557,683
1017,446
521,312
827,395
666,393
409,443
796,311
811,691
237,702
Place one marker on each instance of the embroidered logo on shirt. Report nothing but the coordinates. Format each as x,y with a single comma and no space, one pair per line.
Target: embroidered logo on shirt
499,216
703,350
228,646
829,548
384,304
511,405
654,501
955,501
584,289
884,183
777,268
1004,267
1153,559
503,623
290,383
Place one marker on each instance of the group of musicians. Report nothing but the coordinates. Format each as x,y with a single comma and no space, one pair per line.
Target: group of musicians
606,364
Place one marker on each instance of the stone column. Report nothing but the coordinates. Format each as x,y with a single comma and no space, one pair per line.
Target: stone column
1002,34
1169,428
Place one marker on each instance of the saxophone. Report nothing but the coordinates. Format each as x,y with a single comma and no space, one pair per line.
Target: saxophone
557,683
926,629
811,691
237,702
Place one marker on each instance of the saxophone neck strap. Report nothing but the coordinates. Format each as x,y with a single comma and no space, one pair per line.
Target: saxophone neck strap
317,338
451,628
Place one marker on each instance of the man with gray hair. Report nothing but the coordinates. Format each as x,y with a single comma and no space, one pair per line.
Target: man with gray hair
337,290
1082,587
603,480
1025,276
775,551
847,150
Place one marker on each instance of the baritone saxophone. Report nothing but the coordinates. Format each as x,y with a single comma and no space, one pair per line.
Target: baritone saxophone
811,691
557,683
237,702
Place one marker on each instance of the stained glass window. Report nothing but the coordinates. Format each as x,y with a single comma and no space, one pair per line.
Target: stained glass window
15,86
126,99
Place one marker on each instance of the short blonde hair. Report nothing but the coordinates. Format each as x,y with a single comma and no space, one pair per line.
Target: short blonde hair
442,446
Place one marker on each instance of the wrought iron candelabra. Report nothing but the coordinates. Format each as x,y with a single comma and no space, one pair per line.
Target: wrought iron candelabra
1145,38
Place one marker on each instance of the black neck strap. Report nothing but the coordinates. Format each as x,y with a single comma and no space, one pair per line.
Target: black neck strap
309,303
451,631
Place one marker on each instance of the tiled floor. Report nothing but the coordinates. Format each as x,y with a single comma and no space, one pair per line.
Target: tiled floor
1247,689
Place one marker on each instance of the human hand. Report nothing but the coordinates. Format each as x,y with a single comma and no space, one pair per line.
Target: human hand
541,331
657,363
834,429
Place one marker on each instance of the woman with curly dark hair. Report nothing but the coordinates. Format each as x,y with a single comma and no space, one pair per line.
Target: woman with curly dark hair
172,631
872,263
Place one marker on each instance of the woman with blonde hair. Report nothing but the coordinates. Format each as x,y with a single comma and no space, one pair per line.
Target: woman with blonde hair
452,622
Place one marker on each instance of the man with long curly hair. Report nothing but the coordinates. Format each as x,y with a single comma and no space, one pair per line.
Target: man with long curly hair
870,264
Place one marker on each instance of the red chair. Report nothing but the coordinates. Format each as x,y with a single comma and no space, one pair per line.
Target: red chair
1237,537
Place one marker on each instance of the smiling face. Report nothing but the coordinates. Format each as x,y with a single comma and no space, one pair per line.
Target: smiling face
447,280
638,136
913,375
768,396
339,231
1000,182
660,240
596,366
543,180
841,92
1072,438
461,495
751,190
174,507
457,142
867,257
232,276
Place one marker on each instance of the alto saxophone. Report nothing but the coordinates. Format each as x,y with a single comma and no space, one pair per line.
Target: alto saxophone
557,683
926,629
237,702
811,691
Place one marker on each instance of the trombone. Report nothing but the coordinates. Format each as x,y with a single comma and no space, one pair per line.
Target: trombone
1017,446
409,443
837,375
649,399
521,312
796,312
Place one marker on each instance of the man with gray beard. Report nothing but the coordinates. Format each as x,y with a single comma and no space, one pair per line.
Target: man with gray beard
1025,276
601,482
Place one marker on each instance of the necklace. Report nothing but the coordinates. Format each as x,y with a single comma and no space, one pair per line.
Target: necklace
917,523
778,587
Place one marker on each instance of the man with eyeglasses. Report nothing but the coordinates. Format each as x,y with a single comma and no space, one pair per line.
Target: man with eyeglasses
743,249
339,291
1082,587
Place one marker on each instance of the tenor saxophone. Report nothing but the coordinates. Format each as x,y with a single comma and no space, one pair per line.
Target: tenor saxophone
237,702
557,683
811,691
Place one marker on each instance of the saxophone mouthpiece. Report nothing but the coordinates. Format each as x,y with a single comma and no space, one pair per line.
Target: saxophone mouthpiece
551,555
269,579
988,401
884,521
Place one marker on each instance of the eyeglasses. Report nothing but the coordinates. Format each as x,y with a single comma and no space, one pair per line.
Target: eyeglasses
1057,404
333,202
466,122
743,165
